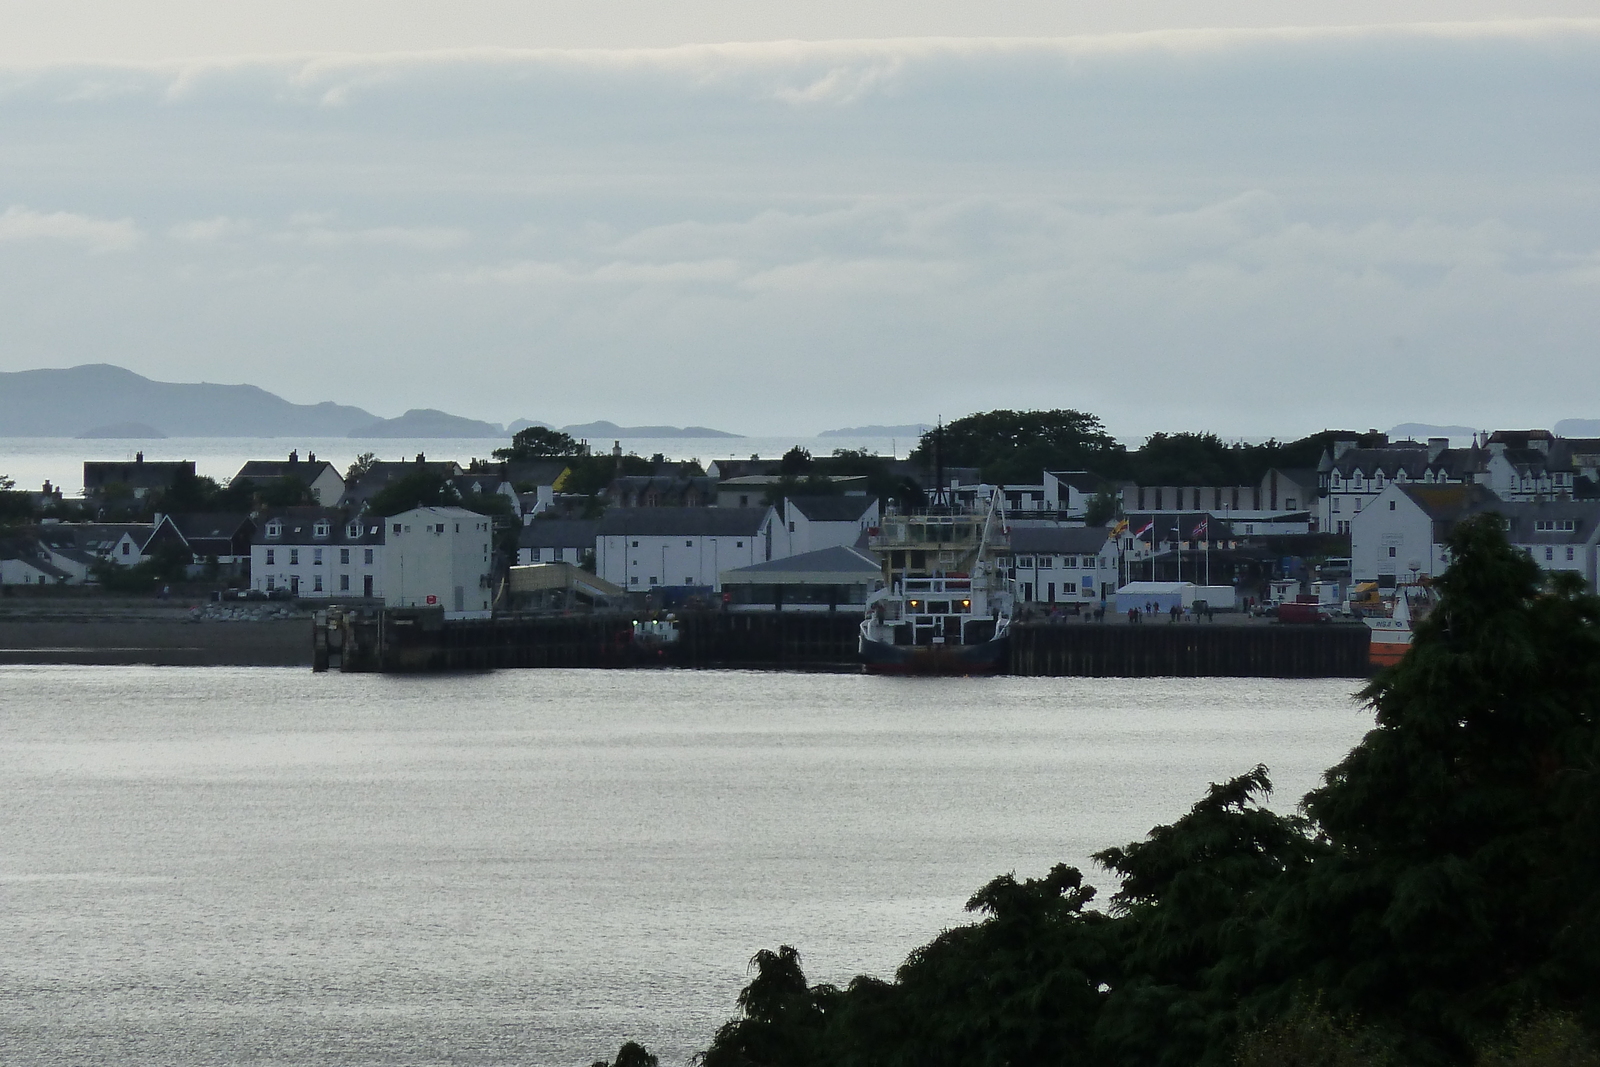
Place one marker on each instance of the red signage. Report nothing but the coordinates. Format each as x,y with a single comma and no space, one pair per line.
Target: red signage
432,599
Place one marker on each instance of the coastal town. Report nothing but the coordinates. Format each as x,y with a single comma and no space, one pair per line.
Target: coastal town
551,524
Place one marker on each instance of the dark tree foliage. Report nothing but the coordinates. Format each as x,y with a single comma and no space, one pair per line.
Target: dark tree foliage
1014,446
1464,885
589,475
631,1054
539,442
422,488
1437,902
795,462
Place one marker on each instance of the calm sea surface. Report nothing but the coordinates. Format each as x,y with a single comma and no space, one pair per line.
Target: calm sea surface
212,866
28,461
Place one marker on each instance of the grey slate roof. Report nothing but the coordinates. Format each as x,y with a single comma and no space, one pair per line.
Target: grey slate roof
834,560
558,533
299,528
271,470
832,508
1067,540
681,522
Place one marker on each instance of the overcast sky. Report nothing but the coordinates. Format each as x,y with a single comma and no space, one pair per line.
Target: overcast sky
1241,229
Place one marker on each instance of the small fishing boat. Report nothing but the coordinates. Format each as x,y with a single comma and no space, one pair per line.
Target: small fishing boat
1391,634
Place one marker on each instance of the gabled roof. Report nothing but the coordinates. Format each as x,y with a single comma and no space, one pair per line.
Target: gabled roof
825,561
1082,481
205,524
268,470
96,538
558,533
832,508
682,522
1448,503
1067,540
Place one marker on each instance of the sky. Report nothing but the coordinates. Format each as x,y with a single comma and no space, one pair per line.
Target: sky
781,218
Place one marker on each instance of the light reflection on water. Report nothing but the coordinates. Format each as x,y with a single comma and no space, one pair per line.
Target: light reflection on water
210,865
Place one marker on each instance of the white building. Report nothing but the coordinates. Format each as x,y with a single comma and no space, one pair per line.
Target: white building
641,549
1401,535
1069,493
1062,564
317,553
439,557
812,523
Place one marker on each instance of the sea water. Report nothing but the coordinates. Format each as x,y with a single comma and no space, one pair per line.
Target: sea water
219,865
29,461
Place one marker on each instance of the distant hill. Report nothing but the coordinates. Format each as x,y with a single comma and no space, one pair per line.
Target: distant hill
428,422
94,398
1577,428
518,425
912,429
611,429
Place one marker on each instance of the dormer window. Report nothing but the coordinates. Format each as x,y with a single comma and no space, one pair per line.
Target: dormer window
321,529
353,530
274,529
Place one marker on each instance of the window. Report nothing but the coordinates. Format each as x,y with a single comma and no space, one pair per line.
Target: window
458,528
367,556
316,557
274,529
125,548
1025,561
1046,562
1391,505
397,527
653,580
1070,562
634,580
271,583
270,554
738,544
1335,504
321,529
316,586
1391,552
533,556
294,556
636,544
344,583
353,530
1549,553
688,580
1569,553
344,556
791,526
688,544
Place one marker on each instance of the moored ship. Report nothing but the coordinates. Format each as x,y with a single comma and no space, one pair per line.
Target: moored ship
944,608
1391,634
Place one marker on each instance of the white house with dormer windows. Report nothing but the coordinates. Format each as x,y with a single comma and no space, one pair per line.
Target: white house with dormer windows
317,553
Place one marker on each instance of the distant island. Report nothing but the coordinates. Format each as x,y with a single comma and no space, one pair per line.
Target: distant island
611,429
429,422
97,399
1578,428
914,429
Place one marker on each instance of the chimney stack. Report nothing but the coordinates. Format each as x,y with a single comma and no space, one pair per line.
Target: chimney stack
1436,445
294,455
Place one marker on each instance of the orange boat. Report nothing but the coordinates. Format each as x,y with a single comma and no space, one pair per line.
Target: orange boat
1391,635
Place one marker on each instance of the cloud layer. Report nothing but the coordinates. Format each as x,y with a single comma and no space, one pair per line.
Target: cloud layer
1249,231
